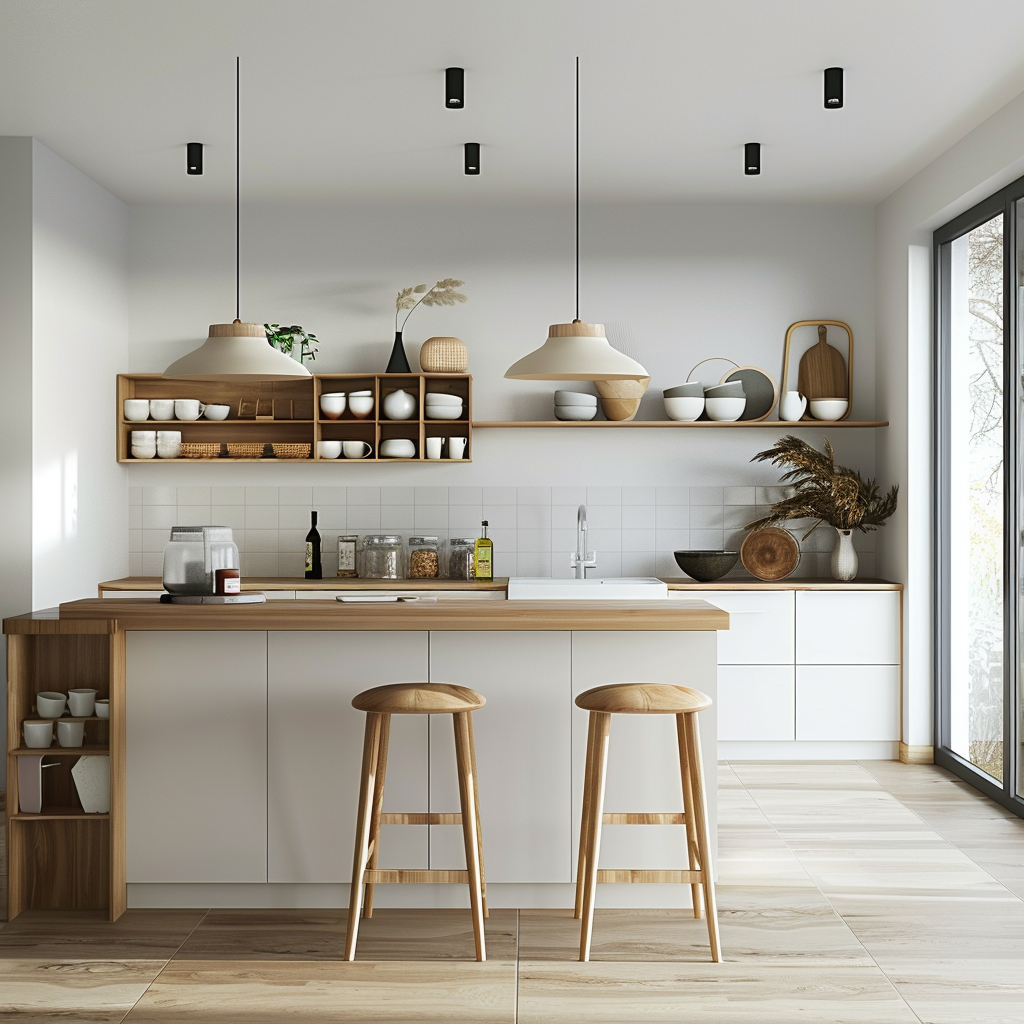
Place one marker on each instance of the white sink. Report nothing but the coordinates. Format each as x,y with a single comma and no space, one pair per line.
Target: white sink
521,588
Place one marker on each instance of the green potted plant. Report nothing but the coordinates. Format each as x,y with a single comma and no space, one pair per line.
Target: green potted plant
441,294
826,493
294,341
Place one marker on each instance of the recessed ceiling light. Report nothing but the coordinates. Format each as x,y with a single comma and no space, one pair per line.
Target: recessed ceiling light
472,157
833,88
454,88
752,158
194,158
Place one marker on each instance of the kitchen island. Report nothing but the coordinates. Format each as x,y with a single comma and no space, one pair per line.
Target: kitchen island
235,750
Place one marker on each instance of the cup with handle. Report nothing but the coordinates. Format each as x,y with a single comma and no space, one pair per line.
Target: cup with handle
188,408
433,446
456,447
356,449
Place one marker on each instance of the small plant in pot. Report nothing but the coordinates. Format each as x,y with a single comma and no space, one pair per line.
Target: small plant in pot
826,493
293,341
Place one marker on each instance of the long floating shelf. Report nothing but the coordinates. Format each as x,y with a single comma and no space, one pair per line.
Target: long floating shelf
749,424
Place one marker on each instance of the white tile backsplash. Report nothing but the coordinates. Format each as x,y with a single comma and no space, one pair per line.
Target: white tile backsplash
634,530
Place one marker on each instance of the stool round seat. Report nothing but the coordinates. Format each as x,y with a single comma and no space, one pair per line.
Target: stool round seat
643,699
418,699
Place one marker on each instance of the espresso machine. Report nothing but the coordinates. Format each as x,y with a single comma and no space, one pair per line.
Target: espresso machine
201,566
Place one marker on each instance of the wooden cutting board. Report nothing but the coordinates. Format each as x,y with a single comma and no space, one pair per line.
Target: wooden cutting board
770,553
823,372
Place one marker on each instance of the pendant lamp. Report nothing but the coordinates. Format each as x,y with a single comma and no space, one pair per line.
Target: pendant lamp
237,351
577,351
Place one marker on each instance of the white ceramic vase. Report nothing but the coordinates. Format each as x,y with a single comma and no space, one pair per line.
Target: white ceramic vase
399,405
844,557
792,406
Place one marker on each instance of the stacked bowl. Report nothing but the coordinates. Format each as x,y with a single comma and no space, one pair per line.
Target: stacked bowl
726,402
685,402
575,405
442,406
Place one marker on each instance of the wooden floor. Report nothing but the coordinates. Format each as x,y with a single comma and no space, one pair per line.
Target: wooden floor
853,893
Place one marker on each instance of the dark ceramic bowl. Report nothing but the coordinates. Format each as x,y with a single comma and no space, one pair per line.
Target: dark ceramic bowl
705,566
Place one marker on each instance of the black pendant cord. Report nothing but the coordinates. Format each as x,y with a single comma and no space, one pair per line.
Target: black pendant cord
238,188
577,189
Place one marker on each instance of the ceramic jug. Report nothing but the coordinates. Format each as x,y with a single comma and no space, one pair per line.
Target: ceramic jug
399,405
792,406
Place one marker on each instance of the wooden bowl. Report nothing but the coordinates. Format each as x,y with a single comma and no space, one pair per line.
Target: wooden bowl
620,399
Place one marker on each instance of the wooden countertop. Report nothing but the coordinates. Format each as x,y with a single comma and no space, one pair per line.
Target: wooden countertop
449,614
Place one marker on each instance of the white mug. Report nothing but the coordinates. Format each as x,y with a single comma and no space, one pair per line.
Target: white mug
161,408
217,412
50,704
103,708
456,447
330,449
792,406
356,449
136,409
38,734
433,445
188,408
82,703
70,734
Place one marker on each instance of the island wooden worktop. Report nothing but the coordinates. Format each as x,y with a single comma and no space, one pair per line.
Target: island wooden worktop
450,614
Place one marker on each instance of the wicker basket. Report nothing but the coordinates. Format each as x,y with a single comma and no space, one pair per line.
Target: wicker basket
245,449
200,449
444,355
291,451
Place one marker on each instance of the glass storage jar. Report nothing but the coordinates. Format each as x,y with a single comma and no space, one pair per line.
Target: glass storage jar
424,558
382,557
460,558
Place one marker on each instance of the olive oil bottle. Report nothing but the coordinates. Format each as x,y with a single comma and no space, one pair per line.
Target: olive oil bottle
483,556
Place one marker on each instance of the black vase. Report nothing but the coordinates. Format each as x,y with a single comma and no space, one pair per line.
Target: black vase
398,363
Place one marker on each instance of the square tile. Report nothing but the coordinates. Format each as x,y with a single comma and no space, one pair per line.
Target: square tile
533,540
261,495
228,515
331,517
639,495
533,496
707,495
295,496
155,540
603,496
431,517
501,517
464,517
498,496
639,563
152,563
706,517
672,496
363,496
533,517
563,517
293,517
134,495
261,540
194,496
159,495
465,496
398,517
135,563
574,496
533,563
431,496
603,540
638,540
261,517
194,515
604,517
638,517
701,540
740,495
329,496
260,563
134,517
363,518
227,495
135,541
398,496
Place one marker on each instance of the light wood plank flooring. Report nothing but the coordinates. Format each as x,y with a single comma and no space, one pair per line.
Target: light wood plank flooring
850,893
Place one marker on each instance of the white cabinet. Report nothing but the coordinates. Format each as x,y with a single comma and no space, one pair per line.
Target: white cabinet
315,742
756,702
522,747
196,756
847,702
848,628
760,625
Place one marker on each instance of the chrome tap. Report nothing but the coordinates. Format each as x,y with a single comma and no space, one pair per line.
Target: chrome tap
582,559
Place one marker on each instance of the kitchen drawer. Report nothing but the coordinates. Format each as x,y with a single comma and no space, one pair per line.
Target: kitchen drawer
848,628
760,625
755,702
847,702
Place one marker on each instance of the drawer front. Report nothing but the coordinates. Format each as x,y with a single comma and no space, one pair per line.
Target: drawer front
756,702
760,625
848,628
847,702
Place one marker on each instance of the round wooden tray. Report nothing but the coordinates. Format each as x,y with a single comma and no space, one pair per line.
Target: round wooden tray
770,553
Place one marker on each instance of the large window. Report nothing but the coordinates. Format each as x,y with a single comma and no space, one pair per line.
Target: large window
979,508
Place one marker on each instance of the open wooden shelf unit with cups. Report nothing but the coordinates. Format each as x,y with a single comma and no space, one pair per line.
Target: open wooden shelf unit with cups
63,857
277,421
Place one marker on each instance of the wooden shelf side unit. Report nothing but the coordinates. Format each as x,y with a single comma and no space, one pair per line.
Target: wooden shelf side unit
64,858
289,412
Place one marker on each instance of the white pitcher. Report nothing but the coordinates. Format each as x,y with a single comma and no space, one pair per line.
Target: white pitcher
792,406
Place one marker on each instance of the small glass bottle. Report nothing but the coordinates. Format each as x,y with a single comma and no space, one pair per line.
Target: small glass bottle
347,550
483,556
424,558
460,558
314,567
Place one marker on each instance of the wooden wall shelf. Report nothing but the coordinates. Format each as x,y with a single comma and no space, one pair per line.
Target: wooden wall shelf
740,424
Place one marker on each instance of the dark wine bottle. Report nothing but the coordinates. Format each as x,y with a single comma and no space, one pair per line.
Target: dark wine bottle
314,567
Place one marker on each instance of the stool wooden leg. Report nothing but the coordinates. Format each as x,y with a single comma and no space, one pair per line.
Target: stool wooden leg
470,834
581,864
691,822
378,801
479,830
599,763
367,780
693,754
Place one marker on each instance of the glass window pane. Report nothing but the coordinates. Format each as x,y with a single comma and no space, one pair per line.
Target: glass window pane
976,497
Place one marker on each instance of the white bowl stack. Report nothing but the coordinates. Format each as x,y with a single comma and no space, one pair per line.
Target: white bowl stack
442,406
575,405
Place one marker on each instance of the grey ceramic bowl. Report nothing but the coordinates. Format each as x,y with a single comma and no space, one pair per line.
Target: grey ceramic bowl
705,566
732,389
692,389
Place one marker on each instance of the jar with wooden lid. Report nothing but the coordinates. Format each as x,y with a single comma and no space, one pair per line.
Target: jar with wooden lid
424,558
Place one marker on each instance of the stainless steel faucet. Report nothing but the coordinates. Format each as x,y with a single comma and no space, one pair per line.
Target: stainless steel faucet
582,559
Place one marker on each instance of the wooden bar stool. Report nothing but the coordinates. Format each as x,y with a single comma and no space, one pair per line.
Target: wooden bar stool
645,699
380,704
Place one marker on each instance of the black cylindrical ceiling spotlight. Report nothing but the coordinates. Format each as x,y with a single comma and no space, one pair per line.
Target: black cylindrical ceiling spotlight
472,157
833,88
454,88
194,158
752,158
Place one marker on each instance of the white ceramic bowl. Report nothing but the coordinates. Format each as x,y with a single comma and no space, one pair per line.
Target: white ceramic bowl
51,704
575,412
442,398
333,405
398,448
575,398
217,412
355,394
136,409
828,408
328,449
149,452
360,405
725,410
443,412
685,409
443,405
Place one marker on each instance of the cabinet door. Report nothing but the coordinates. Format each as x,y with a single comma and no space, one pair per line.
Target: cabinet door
522,747
643,757
196,756
315,745
848,627
847,702
756,702
760,625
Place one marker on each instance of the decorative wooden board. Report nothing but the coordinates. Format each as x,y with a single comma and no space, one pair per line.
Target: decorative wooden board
822,372
760,389
770,553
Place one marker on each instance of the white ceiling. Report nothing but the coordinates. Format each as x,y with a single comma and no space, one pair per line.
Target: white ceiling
343,100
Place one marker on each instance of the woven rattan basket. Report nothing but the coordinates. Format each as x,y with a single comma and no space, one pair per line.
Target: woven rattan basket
245,449
291,451
444,355
200,449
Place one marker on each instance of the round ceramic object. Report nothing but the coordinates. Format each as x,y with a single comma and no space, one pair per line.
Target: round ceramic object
399,405
828,408
50,704
575,398
759,388
725,410
398,448
692,389
360,405
442,398
685,409
770,553
443,412
217,412
731,390
575,412
705,566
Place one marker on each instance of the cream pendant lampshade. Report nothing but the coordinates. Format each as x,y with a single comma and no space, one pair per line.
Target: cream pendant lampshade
236,352
576,351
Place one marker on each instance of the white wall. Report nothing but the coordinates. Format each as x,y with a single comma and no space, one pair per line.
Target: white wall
79,345
678,283
983,161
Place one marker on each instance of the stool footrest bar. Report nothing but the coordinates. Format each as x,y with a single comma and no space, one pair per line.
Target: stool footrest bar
416,818
669,818
635,877
414,876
